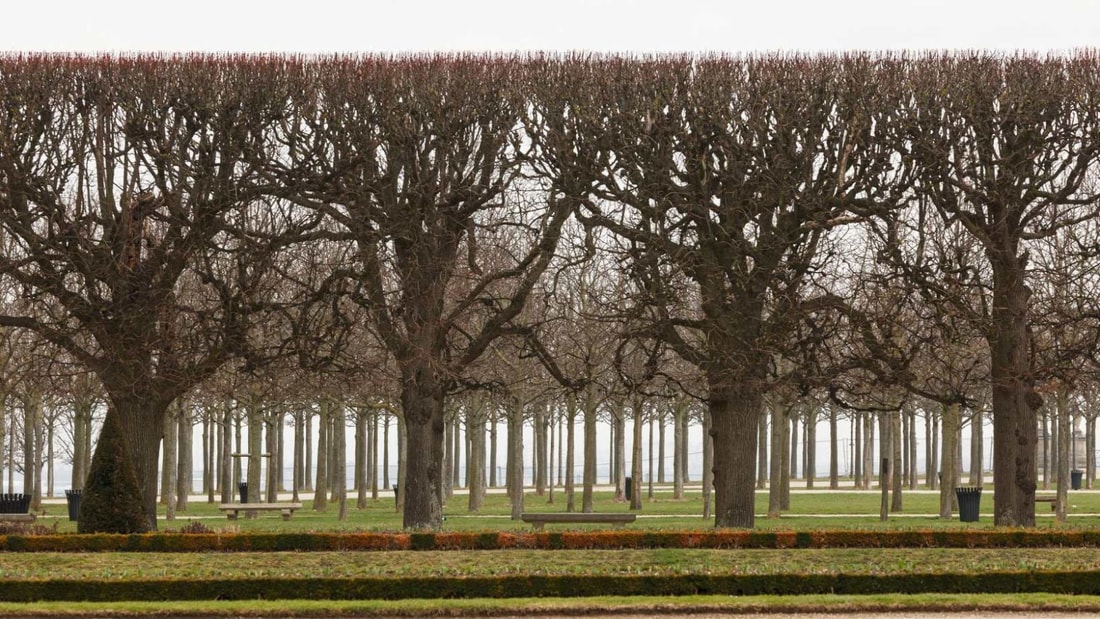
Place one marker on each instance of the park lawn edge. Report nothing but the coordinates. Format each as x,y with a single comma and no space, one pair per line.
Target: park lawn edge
832,604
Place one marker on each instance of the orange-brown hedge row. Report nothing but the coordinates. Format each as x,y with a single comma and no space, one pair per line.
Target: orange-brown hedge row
242,542
1080,583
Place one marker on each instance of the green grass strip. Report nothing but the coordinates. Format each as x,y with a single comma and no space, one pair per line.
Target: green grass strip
1038,603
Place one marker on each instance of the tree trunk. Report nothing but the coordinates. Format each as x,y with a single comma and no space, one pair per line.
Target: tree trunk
792,454
661,417
339,450
475,458
320,488
589,477
763,466
710,470
1065,435
785,461
636,454
273,420
168,465
207,456
570,452
255,451
184,457
515,460
948,467
421,482
298,474
226,468
857,450
620,452
540,449
456,447
733,417
810,469
493,477
362,455
868,448
934,446
1014,399
386,451
1045,420
895,468
976,448
775,488
448,458
679,476
834,460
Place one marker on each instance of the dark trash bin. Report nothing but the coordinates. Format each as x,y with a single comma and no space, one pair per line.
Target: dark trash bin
970,500
73,498
629,489
1075,479
242,487
395,503
15,503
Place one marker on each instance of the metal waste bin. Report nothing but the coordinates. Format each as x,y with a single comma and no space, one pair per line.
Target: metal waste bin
1075,479
73,497
629,489
970,500
243,489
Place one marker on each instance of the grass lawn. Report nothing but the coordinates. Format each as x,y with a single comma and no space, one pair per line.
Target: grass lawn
832,604
841,509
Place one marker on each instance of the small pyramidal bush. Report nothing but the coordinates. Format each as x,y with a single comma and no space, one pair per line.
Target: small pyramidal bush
112,498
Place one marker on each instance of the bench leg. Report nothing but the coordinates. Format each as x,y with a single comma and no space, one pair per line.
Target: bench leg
538,525
287,513
231,515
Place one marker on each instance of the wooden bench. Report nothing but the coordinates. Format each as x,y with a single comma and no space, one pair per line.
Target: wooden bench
540,520
18,517
1048,498
232,509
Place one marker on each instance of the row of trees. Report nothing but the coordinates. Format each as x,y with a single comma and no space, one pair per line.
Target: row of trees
747,231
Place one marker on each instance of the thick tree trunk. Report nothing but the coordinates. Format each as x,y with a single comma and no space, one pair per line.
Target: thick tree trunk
785,461
1014,399
868,449
421,481
792,455
207,456
142,419
494,480
734,415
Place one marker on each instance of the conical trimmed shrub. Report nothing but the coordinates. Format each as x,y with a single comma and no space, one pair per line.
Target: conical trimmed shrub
112,497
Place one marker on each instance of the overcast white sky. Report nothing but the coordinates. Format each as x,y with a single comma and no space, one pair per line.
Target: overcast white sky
318,26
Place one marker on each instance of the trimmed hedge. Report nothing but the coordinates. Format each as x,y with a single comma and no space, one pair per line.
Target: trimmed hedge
1079,583
597,540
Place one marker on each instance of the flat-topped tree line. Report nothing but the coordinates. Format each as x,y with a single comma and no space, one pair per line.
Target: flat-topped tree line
153,209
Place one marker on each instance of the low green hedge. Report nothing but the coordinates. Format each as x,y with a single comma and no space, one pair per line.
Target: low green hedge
301,542
1078,583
